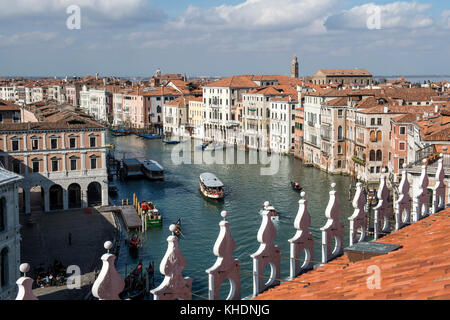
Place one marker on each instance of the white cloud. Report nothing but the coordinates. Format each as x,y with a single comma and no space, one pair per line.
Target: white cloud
446,19
392,15
104,10
255,15
26,38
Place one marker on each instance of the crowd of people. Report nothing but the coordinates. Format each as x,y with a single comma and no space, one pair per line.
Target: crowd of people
55,275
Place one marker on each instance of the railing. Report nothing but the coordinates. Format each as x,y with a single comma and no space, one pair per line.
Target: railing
409,210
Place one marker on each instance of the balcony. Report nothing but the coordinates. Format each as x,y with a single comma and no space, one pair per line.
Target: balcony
359,161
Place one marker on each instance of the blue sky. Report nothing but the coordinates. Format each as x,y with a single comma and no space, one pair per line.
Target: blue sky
219,38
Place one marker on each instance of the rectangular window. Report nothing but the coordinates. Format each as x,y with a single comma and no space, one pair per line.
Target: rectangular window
54,165
379,121
92,142
402,130
16,166
15,145
35,144
93,163
372,121
54,143
36,166
72,143
401,146
73,164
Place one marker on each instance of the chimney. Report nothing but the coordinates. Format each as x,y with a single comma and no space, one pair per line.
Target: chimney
386,109
436,108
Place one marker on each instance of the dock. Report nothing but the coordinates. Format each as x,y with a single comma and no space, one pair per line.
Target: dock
130,216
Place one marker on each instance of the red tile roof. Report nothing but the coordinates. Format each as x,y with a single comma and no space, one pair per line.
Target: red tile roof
419,270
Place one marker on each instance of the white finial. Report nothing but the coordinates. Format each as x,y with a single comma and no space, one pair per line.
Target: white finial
383,170
424,161
223,214
441,155
266,204
358,177
333,185
108,245
303,194
172,228
404,166
24,268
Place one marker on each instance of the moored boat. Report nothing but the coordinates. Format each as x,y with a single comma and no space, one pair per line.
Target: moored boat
214,146
210,186
153,170
133,246
154,217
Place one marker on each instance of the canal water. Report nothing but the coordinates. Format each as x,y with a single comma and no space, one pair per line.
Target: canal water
245,189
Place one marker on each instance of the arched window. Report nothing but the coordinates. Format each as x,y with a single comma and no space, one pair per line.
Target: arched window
340,133
373,137
2,214
4,267
379,155
372,155
379,136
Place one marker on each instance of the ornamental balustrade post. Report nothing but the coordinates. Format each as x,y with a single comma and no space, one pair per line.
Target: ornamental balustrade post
174,285
25,284
439,187
302,241
404,202
422,197
268,254
333,229
383,210
226,267
109,283
358,221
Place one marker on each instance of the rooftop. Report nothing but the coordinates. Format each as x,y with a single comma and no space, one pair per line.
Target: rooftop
419,270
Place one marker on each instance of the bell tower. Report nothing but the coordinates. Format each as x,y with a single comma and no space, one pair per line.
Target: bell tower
294,68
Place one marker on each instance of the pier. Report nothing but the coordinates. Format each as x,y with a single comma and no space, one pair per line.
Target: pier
129,214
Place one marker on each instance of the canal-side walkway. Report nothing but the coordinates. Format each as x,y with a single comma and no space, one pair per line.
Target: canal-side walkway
47,239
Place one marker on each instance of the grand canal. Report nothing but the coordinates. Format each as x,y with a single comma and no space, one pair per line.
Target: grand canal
246,190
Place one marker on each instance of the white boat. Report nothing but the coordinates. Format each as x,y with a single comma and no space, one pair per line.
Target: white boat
153,170
268,207
214,146
210,186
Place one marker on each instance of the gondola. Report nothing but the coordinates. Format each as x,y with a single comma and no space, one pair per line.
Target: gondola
296,186
177,231
134,284
133,246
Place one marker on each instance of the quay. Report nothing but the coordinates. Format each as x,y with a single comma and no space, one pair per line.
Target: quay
129,214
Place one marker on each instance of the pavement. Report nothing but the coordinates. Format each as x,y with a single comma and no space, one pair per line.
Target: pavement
47,239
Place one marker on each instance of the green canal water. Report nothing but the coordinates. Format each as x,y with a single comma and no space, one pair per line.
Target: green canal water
245,189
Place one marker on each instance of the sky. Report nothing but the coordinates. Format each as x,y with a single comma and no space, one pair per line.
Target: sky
222,38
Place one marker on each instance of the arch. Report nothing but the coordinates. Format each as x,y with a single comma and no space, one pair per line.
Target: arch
3,214
340,133
37,199
373,137
74,194
379,136
94,194
4,267
56,197
379,155
372,155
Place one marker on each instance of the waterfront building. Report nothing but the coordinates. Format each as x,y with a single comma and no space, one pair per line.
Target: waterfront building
96,102
356,77
7,93
175,116
220,98
73,94
155,98
63,161
9,234
196,115
57,93
282,124
137,109
299,132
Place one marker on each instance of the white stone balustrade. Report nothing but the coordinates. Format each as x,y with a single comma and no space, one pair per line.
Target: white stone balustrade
25,284
268,254
404,202
439,188
358,221
422,197
333,229
226,267
109,283
302,241
383,210
174,285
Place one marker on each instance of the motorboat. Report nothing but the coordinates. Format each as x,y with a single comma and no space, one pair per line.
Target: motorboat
150,136
214,146
273,212
153,170
210,186
154,217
